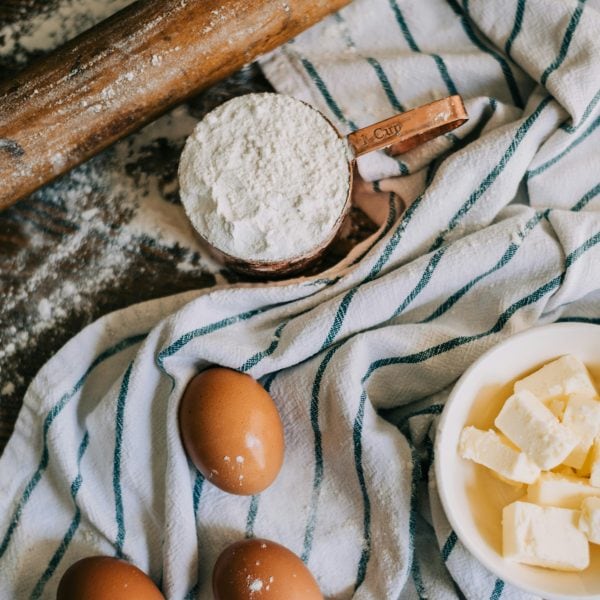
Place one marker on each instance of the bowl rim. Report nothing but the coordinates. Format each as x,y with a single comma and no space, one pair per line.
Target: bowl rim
438,466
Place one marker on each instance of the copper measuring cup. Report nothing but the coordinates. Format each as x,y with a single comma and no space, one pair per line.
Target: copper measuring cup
399,133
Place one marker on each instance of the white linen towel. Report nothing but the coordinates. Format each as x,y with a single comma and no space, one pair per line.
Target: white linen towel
501,233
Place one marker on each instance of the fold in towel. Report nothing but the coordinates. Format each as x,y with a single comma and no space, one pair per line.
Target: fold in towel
501,233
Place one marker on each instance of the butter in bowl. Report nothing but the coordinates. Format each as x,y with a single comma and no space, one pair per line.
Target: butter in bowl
518,460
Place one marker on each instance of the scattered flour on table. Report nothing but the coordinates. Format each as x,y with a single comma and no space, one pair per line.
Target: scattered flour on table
136,200
7,389
56,24
264,177
45,308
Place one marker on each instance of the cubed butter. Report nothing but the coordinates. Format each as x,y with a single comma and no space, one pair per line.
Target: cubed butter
595,463
544,536
564,491
562,377
526,422
589,521
489,449
582,415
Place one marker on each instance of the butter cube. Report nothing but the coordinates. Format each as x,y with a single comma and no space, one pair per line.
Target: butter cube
526,422
487,448
564,376
589,521
564,491
582,415
595,463
544,536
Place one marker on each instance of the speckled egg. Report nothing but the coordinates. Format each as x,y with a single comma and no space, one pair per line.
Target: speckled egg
260,569
106,578
231,431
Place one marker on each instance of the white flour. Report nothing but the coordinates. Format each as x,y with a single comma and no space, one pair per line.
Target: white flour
264,177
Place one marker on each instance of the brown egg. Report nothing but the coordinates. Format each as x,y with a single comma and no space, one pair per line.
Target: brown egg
106,578
231,431
255,569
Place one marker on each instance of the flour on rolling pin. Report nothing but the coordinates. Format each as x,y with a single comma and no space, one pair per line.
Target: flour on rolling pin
264,177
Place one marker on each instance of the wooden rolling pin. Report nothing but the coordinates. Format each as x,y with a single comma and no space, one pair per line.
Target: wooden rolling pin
125,72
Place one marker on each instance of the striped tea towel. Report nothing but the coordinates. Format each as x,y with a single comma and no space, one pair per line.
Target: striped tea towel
501,233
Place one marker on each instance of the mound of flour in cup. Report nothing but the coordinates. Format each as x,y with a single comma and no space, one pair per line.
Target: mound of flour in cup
264,177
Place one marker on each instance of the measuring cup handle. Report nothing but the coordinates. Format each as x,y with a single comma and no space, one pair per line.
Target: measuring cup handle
410,129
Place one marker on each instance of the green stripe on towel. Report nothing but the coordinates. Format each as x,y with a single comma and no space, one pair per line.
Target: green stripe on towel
566,42
58,555
119,426
48,420
518,24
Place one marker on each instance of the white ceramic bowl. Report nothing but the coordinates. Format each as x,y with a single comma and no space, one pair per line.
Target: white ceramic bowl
473,498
